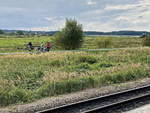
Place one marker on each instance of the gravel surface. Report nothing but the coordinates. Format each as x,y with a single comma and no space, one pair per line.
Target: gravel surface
142,109
73,97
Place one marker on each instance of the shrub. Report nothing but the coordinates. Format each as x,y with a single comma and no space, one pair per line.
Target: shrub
71,37
1,32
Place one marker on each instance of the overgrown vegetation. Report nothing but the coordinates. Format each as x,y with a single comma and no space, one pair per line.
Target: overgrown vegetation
25,78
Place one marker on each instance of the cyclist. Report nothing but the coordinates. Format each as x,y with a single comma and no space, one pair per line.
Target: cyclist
29,45
48,46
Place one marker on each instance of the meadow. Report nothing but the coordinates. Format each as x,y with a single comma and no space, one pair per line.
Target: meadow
17,44
11,44
26,78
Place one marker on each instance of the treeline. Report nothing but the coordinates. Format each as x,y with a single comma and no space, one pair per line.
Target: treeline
86,33
132,33
22,32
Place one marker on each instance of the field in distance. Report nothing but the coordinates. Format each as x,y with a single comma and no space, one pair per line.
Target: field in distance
17,44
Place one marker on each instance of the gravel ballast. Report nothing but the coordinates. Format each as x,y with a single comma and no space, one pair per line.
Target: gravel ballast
47,103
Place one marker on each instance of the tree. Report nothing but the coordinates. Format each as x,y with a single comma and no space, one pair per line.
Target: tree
1,32
20,33
70,37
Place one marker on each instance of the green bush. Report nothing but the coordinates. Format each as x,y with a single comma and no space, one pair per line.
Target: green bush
1,31
71,37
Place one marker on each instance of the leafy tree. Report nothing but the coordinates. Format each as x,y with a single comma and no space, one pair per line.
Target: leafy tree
1,32
70,37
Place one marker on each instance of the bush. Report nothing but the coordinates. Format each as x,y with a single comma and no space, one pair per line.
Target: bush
104,43
1,32
146,41
71,37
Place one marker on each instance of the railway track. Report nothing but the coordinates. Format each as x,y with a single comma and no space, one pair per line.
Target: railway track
103,104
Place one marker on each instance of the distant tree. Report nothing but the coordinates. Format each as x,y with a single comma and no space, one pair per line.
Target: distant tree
1,32
70,37
146,40
20,33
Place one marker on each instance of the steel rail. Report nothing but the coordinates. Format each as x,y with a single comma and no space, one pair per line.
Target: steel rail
106,107
75,105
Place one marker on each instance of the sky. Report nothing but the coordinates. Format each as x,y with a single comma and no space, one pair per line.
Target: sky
94,15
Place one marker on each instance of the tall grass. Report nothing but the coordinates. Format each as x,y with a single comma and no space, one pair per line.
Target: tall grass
25,78
104,43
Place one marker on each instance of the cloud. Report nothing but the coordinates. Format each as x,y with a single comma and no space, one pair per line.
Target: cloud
99,26
121,7
91,2
99,15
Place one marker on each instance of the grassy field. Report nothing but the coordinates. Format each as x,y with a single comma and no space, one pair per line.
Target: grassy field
116,42
25,78
8,44
11,44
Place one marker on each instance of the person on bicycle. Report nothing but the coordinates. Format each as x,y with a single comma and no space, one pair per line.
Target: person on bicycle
42,47
29,45
48,46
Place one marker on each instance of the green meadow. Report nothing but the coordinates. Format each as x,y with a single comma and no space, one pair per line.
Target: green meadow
17,44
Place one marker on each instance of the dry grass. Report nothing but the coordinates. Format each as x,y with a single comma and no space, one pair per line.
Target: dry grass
24,78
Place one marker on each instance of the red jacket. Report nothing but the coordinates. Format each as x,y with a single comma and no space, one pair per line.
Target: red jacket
48,45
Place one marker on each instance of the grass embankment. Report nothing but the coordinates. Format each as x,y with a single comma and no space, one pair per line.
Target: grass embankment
25,78
12,44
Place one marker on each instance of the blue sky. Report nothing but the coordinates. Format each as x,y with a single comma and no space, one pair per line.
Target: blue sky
94,15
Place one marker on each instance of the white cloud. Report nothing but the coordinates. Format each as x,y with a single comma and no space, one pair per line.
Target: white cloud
49,18
99,15
98,26
91,2
57,23
121,7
